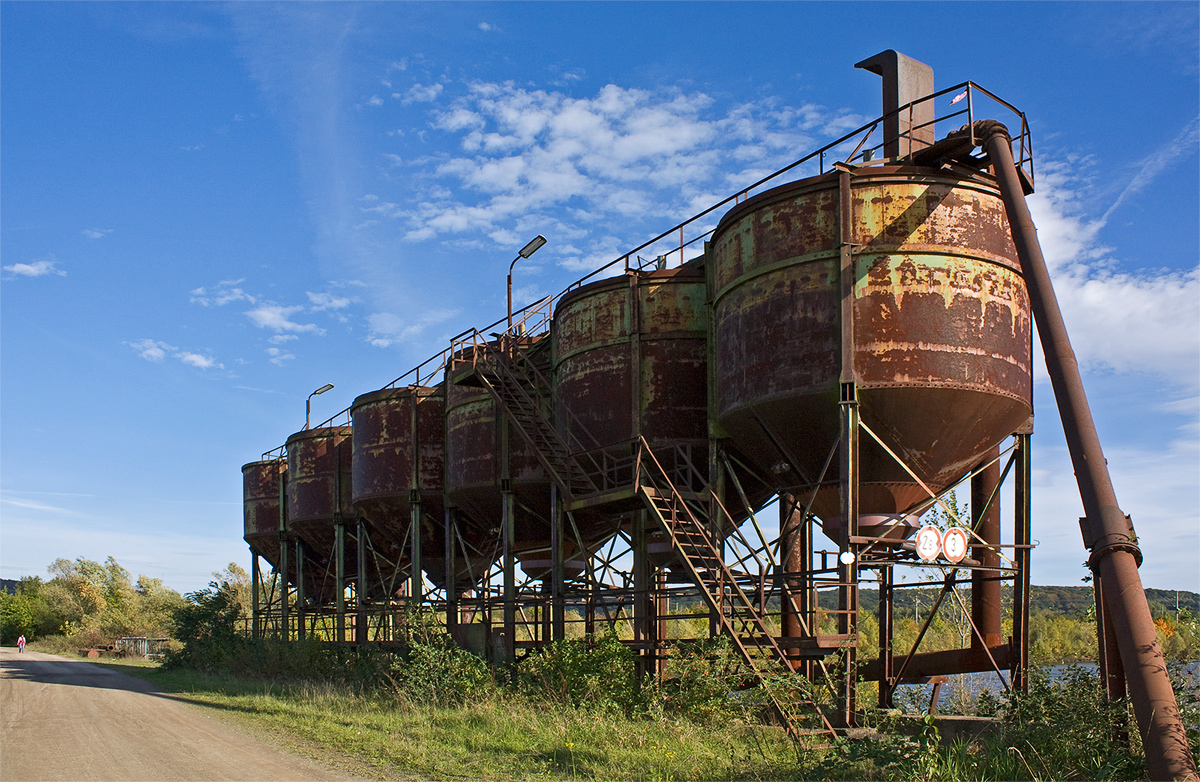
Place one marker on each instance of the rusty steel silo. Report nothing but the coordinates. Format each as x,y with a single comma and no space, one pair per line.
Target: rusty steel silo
262,487
318,496
631,360
399,468
899,281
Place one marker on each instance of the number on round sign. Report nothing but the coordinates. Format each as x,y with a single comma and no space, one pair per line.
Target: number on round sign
929,543
954,544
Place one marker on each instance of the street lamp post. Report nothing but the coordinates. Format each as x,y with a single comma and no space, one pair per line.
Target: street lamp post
308,402
526,251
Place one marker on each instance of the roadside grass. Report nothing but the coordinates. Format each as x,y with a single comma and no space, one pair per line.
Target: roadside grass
502,736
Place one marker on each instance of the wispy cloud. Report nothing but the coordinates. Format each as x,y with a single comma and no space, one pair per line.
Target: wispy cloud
277,317
39,268
96,233
278,357
225,293
1144,321
1182,146
421,93
387,329
326,301
157,351
623,154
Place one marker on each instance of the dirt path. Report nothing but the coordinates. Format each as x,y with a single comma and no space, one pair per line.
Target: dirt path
64,719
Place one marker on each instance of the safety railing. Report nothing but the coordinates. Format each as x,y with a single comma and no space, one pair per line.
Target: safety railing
665,249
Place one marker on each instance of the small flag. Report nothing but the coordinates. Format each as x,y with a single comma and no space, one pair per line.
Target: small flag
959,97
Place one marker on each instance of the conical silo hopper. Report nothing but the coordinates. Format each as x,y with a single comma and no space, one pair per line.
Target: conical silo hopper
938,343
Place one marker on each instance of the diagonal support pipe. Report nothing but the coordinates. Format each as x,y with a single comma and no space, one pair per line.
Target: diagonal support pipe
1107,531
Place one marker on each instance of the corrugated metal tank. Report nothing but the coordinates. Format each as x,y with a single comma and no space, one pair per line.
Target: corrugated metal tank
399,454
630,359
318,486
941,331
261,485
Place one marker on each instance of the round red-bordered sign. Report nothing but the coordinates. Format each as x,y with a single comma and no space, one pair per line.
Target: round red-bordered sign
929,543
954,544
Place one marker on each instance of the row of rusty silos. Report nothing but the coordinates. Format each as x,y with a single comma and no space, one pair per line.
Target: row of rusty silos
899,280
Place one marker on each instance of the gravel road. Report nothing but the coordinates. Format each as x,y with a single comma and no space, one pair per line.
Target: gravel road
63,719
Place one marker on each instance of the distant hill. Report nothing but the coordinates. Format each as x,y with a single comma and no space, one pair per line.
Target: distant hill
1065,600
9,586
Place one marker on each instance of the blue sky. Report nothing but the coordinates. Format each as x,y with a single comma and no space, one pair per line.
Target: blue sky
211,210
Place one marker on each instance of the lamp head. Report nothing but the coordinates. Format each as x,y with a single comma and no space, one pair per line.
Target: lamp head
533,246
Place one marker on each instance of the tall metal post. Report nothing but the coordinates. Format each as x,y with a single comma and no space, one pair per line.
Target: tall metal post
283,559
1108,533
641,594
451,581
986,604
886,637
339,581
417,590
509,512
848,556
416,583
255,609
795,561
1022,537
301,597
361,630
716,480
558,605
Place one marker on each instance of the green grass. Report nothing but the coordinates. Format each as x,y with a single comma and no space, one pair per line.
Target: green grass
503,736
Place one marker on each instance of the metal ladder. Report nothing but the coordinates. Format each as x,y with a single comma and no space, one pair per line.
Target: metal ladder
690,532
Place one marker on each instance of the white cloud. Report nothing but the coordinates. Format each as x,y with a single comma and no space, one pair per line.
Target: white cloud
392,158
1145,321
375,100
199,361
419,93
156,351
622,153
151,350
36,268
387,329
96,233
280,339
278,318
278,357
195,148
486,27
225,293
326,301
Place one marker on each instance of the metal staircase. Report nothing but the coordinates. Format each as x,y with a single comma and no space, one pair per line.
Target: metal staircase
632,472
690,530
507,371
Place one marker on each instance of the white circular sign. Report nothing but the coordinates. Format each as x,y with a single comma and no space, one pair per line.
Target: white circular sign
929,543
954,544
846,558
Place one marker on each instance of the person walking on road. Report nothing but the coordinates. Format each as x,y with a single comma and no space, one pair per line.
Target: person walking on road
21,644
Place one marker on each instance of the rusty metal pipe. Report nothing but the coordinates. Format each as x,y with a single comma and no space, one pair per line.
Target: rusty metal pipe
1107,531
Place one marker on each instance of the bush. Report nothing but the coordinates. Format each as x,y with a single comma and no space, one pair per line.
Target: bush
594,672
